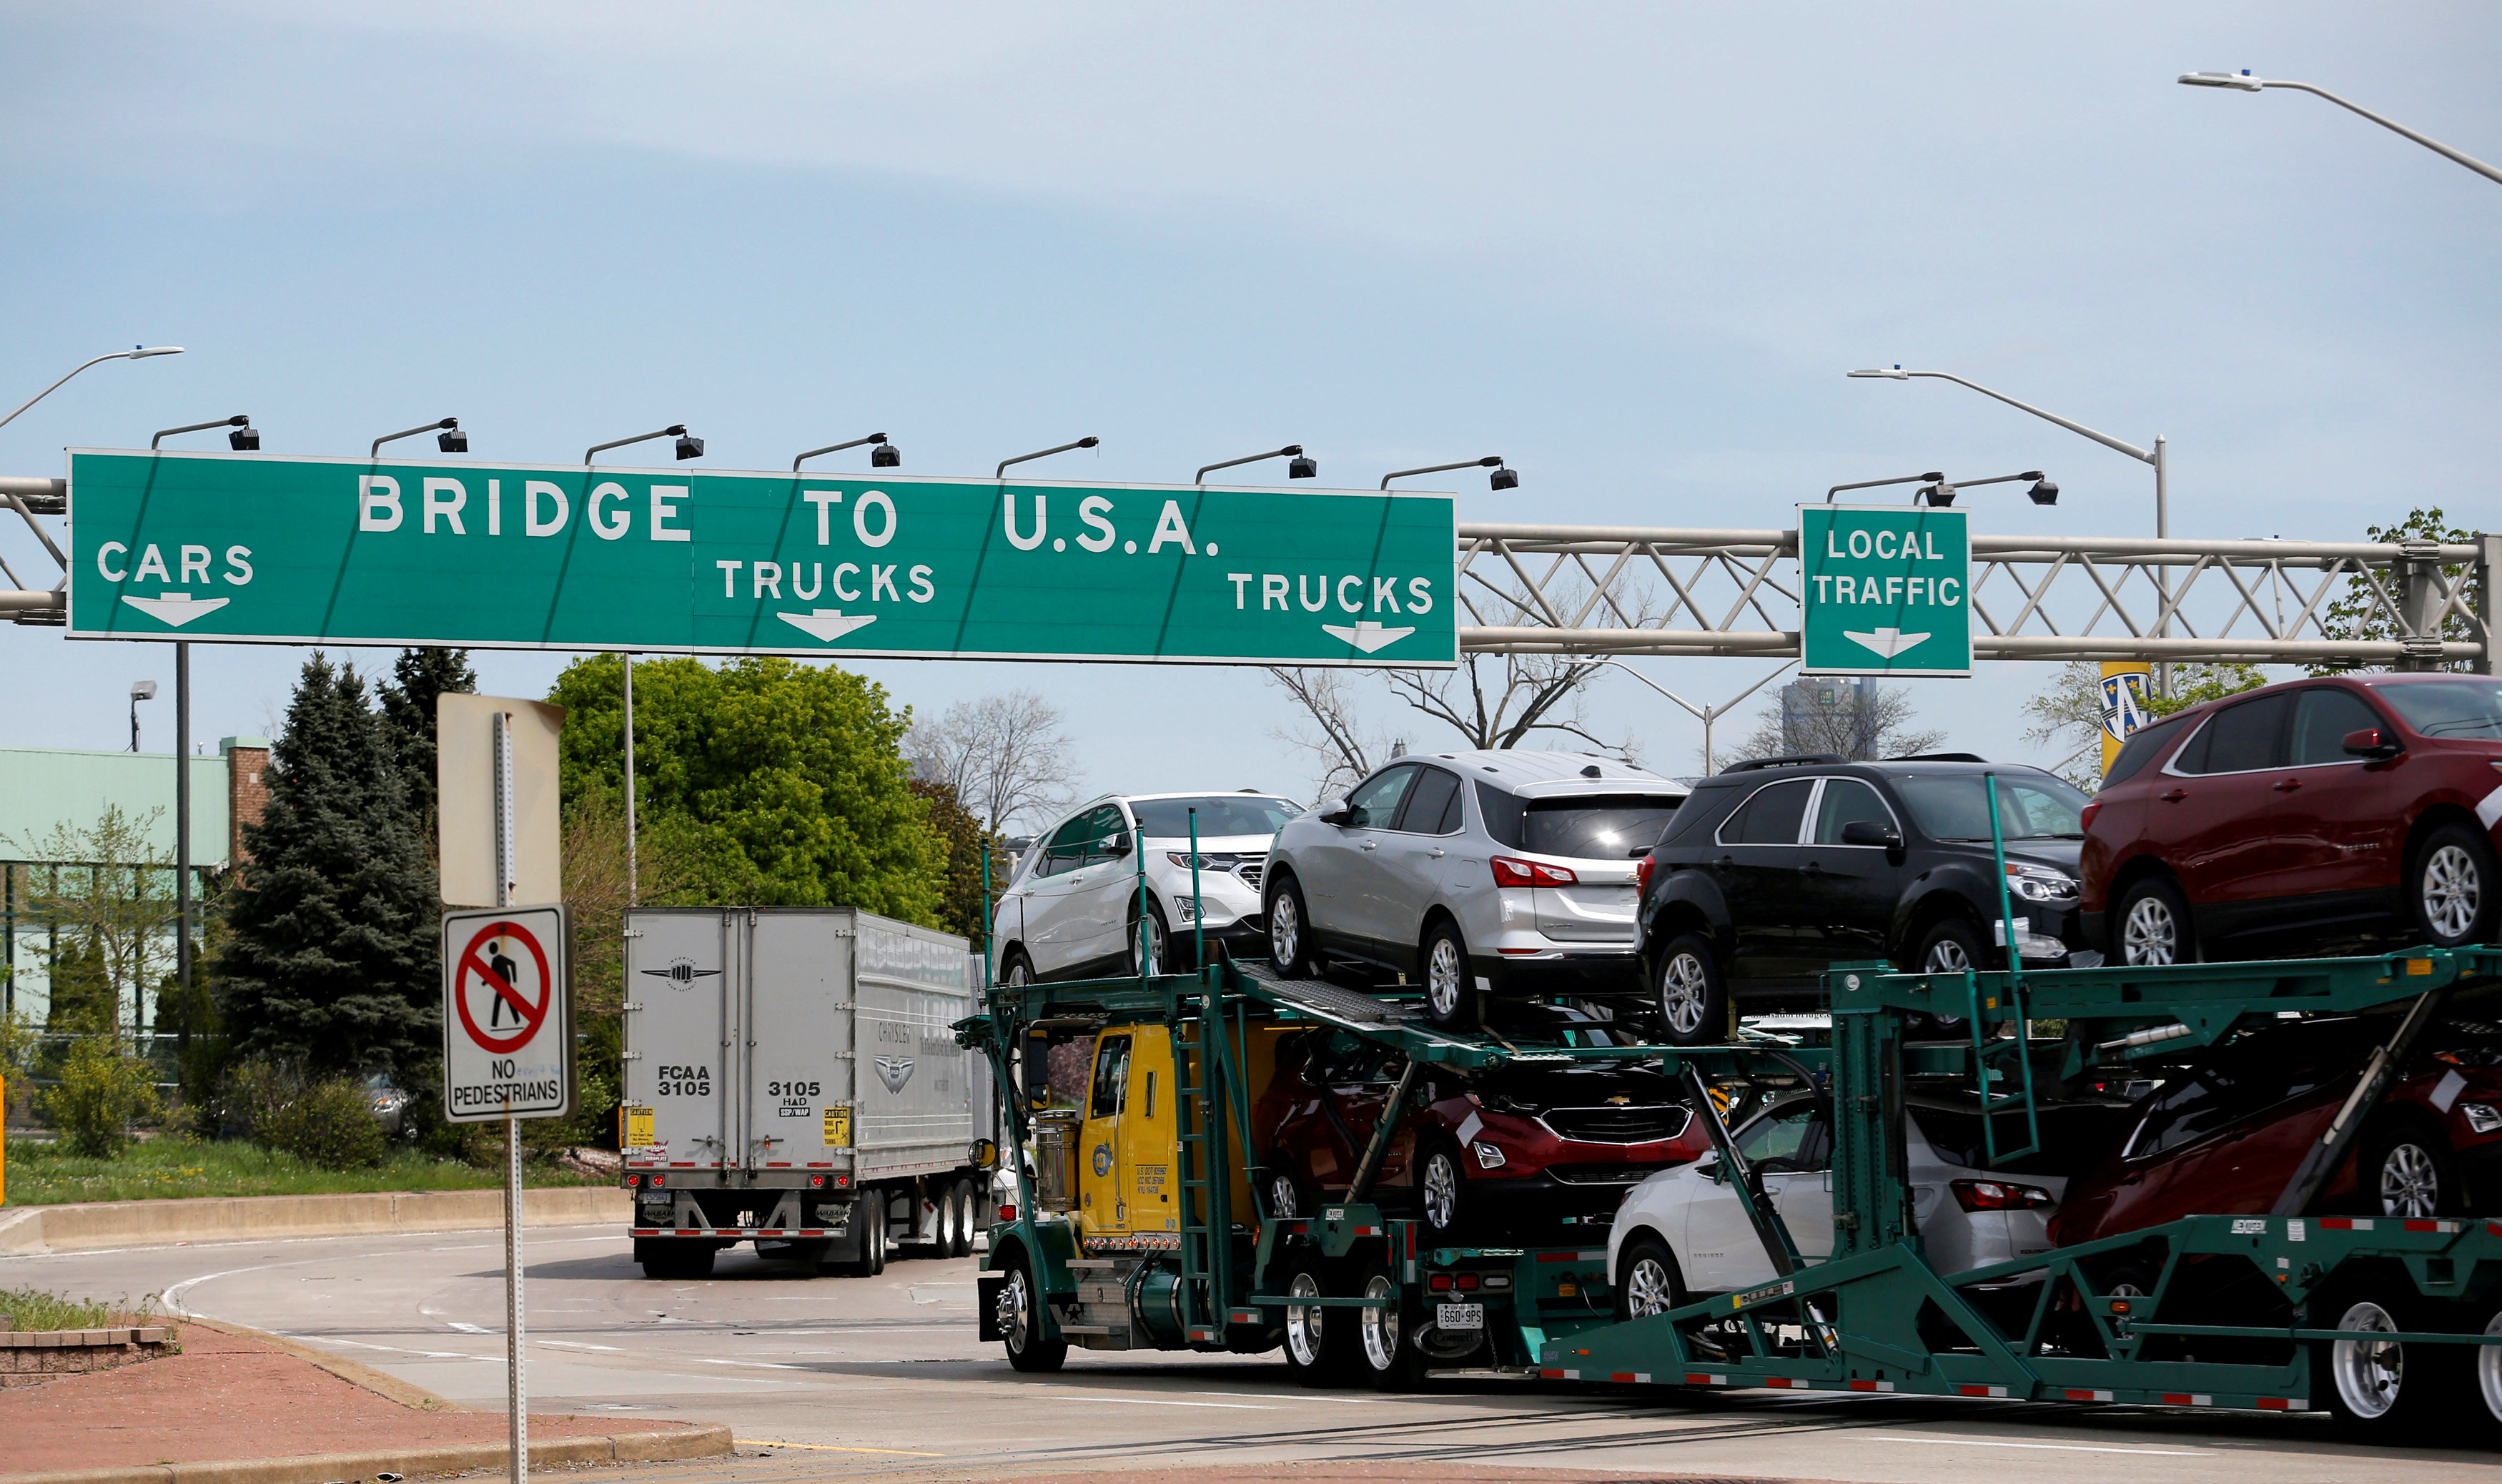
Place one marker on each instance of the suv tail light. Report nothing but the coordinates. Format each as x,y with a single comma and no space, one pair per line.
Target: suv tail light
1509,872
2000,1195
1642,875
2086,815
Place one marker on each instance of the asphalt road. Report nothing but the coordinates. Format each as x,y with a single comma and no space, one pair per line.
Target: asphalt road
849,1376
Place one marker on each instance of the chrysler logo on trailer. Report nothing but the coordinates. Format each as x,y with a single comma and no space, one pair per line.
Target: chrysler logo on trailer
894,1072
681,973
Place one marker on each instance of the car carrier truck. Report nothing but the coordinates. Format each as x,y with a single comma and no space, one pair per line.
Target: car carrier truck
791,1080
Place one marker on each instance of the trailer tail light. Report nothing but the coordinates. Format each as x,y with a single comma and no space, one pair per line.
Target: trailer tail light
2000,1195
1008,1213
658,1180
1439,1283
816,1182
1509,872
1468,1283
633,1181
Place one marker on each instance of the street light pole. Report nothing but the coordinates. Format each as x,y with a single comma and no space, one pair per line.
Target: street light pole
2246,83
1002,470
689,446
136,353
1707,715
1301,468
2156,456
1501,479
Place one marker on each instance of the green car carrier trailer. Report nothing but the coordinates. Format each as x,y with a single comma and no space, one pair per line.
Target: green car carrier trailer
2388,1322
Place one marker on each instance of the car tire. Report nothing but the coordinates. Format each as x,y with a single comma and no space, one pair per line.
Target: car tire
1647,1281
1289,1194
2454,887
1290,931
2386,1391
1385,1353
1158,949
1951,945
1316,1342
1690,993
1450,990
1442,1200
1016,969
674,1258
2407,1170
2151,925
1019,1319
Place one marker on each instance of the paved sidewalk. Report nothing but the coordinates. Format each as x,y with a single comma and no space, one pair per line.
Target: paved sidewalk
232,1397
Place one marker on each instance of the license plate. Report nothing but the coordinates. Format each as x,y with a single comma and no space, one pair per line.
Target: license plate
1459,1316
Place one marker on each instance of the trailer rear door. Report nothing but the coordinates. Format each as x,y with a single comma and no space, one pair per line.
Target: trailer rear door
681,1006
799,1086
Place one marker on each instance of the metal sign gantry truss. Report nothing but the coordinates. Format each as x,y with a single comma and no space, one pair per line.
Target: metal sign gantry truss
1592,589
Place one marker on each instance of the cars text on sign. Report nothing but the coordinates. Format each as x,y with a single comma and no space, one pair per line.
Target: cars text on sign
257,548
1886,590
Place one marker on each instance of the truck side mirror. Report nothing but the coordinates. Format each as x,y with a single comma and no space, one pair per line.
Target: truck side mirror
983,1155
1872,832
2372,742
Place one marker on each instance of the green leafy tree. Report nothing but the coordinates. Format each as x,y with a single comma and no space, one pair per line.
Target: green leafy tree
2195,683
418,677
329,956
98,1093
771,782
2359,612
963,908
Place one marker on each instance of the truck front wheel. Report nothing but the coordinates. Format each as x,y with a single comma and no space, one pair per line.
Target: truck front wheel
1021,1321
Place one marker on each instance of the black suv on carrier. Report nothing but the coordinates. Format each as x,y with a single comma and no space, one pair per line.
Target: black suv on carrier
1773,869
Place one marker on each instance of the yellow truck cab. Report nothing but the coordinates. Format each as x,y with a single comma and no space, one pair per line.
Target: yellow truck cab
1127,1198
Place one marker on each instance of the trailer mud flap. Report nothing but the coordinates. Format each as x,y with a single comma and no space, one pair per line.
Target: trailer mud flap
987,1288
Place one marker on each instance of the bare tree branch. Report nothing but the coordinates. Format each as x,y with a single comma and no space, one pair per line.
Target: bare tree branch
1338,739
1005,755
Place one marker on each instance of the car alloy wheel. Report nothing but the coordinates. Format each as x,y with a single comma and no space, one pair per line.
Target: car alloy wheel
2409,1182
1446,978
1281,1195
2453,892
1442,1191
1945,956
1304,1335
1685,992
1285,929
1379,1327
1147,945
2369,1373
1648,1289
2151,934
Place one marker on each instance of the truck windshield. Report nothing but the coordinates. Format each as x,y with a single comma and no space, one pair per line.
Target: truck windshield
1950,806
2448,708
1219,815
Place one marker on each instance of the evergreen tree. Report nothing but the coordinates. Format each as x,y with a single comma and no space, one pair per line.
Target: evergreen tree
418,676
331,956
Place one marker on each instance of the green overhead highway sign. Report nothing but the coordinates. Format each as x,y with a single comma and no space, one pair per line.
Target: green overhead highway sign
254,548
1887,590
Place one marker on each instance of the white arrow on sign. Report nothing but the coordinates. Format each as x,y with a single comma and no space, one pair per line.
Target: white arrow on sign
826,623
1368,636
176,608
1888,642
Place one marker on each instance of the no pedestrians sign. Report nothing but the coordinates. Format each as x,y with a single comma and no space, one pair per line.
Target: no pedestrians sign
507,1031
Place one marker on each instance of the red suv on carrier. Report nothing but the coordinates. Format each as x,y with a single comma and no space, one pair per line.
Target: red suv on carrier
2301,815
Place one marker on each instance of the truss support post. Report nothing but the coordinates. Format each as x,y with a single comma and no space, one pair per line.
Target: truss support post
2419,609
2488,601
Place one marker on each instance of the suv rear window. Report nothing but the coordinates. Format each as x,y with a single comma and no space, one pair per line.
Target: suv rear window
1584,827
2075,1136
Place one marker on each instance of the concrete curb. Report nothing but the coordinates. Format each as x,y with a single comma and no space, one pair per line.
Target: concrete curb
390,1388
104,1224
693,1442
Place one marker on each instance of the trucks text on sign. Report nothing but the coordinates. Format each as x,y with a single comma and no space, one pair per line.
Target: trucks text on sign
1886,590
259,549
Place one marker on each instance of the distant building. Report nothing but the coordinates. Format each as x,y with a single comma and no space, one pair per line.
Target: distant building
43,790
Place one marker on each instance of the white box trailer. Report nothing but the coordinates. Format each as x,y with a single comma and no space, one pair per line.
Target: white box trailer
792,1080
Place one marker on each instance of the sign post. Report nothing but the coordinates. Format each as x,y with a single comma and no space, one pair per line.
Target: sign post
507,1012
259,549
1886,589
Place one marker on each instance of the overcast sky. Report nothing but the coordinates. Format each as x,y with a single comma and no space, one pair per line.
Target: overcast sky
1631,248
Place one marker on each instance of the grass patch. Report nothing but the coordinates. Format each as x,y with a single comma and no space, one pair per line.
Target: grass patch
29,1308
171,1168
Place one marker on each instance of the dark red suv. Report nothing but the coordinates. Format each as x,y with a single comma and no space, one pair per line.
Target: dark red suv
1576,1136
2301,815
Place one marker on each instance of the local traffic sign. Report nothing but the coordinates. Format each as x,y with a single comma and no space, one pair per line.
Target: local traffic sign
1886,590
256,548
507,1033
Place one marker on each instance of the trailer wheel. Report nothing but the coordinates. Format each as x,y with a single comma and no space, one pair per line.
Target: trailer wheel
1316,1344
1019,1319
670,1256
869,1211
1386,1353
2379,1388
2488,1378
960,1201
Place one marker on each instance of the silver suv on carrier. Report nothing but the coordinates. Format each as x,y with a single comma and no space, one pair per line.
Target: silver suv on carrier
1501,873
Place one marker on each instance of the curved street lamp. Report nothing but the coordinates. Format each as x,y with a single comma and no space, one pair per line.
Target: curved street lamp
1002,471
1502,478
450,439
244,439
884,455
689,446
2246,83
1301,468
135,352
